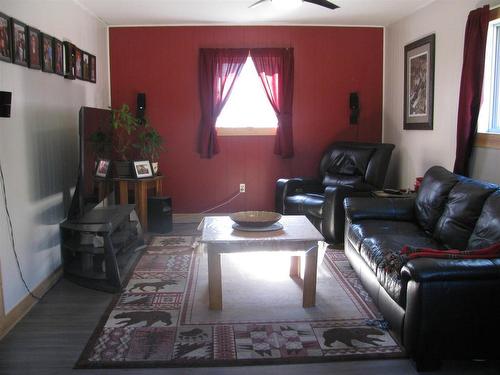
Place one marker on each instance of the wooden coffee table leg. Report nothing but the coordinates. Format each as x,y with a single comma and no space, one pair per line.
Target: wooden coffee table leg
295,266
310,275
214,280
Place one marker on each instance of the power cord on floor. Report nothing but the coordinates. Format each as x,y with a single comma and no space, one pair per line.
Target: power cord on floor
223,203
11,234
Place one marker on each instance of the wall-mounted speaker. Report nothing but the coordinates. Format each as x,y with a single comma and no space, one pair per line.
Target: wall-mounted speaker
141,105
5,101
354,107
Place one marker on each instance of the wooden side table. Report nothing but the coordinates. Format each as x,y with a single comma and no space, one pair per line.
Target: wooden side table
141,187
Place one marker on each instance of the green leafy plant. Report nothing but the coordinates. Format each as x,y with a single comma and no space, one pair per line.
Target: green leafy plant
123,124
149,143
101,143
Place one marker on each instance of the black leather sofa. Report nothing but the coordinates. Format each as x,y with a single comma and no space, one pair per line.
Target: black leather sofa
438,308
346,169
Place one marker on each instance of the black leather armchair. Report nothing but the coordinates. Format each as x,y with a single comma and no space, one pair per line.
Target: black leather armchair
346,169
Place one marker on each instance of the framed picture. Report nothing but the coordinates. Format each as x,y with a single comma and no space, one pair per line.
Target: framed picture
102,168
58,49
34,48
69,60
47,53
85,66
78,63
93,73
19,41
5,45
419,84
142,168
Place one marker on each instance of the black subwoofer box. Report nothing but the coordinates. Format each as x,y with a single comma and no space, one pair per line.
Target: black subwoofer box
159,214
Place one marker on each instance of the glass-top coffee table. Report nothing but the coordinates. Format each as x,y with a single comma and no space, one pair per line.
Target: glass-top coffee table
298,237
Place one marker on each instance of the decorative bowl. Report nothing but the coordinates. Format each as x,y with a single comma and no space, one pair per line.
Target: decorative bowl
255,219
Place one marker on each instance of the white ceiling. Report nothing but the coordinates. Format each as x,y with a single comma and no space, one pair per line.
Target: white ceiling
236,12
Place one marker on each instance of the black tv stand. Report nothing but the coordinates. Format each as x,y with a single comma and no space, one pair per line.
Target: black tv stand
100,247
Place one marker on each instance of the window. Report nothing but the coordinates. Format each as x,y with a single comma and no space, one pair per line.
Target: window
248,110
488,124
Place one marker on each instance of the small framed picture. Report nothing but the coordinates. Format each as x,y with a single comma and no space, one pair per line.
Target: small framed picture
102,168
419,84
69,60
93,74
19,41
5,44
142,169
34,48
47,53
78,63
58,49
85,66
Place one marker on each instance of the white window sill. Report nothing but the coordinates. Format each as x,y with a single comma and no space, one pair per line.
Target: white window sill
487,140
231,132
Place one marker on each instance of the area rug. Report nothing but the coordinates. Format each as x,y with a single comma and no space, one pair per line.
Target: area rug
162,319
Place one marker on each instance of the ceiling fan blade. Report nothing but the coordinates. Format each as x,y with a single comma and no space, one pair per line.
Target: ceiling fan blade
258,3
323,3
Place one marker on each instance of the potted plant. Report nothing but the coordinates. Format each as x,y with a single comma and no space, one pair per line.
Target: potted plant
123,124
150,145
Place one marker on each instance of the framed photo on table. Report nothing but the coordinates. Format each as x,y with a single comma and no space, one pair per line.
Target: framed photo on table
143,169
102,168
47,53
419,84
34,37
19,41
5,38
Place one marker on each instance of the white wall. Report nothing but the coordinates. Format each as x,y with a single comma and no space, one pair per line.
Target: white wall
38,144
417,150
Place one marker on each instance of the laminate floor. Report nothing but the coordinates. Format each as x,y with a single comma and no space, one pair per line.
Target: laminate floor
49,340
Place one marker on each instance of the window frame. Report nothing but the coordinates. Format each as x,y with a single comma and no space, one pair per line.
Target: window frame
236,131
491,139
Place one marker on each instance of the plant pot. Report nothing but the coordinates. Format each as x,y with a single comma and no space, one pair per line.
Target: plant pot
154,164
123,168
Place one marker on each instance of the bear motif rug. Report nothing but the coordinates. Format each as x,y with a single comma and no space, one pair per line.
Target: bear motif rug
162,319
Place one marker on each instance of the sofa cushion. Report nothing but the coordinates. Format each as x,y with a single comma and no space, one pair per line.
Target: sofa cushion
357,232
487,229
375,250
462,209
432,196
343,180
305,204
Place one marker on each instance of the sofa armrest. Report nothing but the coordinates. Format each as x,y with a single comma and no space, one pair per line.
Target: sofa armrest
291,186
379,208
437,269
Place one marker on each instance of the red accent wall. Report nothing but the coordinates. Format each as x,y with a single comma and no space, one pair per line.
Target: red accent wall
330,62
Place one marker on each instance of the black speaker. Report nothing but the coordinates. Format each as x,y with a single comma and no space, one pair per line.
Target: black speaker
141,105
354,107
159,214
5,101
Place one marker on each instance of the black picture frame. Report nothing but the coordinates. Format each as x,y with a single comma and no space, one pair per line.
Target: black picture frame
102,168
5,38
58,48
78,63
93,69
419,84
142,169
19,42
85,66
69,60
34,43
47,50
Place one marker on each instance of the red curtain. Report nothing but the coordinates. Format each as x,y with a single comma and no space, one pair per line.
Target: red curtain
471,86
275,69
218,70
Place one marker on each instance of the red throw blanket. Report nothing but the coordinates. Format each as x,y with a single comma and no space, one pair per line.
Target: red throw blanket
492,251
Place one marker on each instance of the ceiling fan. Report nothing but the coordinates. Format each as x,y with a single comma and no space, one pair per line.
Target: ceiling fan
291,3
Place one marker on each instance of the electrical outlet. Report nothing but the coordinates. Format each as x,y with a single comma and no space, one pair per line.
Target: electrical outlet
242,188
